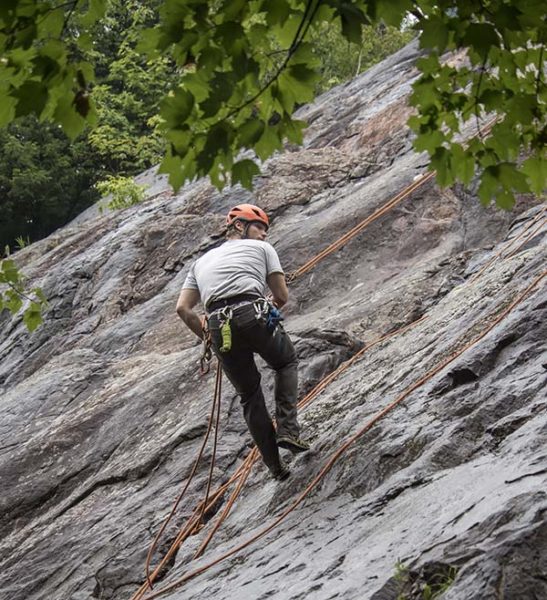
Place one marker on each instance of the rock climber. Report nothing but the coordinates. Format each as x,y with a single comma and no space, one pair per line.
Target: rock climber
231,281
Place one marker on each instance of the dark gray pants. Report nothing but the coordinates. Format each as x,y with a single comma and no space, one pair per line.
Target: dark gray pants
250,335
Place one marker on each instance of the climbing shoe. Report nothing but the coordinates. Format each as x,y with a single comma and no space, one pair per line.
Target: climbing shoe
281,473
293,444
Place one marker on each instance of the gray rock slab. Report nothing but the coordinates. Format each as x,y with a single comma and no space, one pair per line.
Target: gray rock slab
103,408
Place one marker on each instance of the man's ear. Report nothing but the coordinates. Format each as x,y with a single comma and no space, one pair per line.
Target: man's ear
239,226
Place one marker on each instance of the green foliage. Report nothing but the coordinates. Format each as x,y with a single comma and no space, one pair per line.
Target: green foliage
129,88
39,73
22,242
45,180
341,60
503,79
13,295
412,585
124,191
232,73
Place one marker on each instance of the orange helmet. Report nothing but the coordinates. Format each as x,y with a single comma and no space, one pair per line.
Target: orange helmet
249,213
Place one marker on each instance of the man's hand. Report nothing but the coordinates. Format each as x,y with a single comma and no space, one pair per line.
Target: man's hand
187,300
278,286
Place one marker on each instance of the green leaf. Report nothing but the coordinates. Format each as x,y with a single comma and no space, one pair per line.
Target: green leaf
32,97
504,140
38,292
440,161
521,108
293,129
13,302
535,168
150,42
180,139
505,199
210,58
197,85
51,23
425,94
277,12
8,105
218,141
429,141
285,33
268,143
172,166
511,178
176,107
232,9
353,19
488,186
250,132
392,12
429,64
299,80
10,271
72,123
491,98
481,37
96,11
222,86
85,41
231,36
462,163
434,34
243,172
32,317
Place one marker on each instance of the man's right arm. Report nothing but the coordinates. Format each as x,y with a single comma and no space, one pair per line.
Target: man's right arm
187,300
280,292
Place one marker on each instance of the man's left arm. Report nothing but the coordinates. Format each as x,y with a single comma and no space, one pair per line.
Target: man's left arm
278,286
187,300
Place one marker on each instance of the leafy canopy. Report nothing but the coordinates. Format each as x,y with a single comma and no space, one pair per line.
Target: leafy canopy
245,66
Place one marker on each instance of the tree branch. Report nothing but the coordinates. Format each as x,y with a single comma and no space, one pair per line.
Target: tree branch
476,102
292,49
540,69
19,292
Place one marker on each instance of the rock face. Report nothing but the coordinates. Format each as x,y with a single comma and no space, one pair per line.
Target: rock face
103,409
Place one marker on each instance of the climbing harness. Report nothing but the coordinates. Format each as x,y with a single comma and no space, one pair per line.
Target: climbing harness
266,312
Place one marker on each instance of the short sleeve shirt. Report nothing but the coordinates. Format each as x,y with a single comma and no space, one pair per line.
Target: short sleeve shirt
236,267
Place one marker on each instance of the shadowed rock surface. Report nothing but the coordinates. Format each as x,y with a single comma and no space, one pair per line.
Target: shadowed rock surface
103,410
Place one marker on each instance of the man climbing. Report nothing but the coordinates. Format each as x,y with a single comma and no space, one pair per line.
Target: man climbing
231,281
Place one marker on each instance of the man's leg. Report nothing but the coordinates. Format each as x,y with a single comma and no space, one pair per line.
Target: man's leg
240,368
278,351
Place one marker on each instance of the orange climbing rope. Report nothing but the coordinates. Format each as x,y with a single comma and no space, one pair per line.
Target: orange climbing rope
358,228
215,409
336,455
397,199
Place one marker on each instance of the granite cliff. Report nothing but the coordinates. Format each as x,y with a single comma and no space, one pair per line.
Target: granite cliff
103,409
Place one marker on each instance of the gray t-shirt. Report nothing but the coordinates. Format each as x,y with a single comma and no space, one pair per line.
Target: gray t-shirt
236,267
